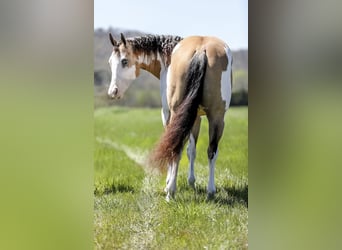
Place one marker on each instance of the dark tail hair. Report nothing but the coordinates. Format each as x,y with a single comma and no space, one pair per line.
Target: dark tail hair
177,131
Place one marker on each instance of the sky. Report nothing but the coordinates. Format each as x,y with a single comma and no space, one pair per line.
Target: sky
226,19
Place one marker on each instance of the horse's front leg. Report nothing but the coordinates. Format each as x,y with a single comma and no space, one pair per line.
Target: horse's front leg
165,111
165,114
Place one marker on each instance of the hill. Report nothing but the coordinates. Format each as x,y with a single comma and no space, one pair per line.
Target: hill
145,90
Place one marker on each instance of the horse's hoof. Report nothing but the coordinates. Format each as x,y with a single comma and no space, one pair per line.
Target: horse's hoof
210,196
191,183
170,196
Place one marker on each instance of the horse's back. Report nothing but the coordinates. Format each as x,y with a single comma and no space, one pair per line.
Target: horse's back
215,50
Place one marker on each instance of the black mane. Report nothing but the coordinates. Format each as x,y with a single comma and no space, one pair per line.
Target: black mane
153,44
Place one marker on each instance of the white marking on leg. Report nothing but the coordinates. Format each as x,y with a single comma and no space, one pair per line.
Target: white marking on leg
191,152
226,81
211,183
172,183
169,170
165,114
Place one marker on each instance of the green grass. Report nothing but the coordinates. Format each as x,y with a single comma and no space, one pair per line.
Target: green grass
130,211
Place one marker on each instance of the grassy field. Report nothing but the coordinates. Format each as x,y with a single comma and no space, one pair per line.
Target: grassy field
130,211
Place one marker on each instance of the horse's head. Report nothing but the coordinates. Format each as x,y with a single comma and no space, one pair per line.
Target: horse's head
123,66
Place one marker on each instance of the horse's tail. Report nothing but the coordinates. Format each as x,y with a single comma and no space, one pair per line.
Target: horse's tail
177,131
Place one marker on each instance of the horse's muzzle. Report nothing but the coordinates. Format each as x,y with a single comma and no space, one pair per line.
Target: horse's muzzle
114,94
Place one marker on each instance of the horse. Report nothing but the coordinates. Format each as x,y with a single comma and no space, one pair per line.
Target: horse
195,80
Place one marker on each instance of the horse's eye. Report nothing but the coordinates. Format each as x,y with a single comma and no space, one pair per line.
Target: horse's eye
124,62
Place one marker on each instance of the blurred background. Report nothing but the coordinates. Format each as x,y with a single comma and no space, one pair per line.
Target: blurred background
145,90
228,22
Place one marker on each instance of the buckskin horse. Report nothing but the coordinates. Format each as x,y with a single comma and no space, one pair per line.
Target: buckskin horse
195,80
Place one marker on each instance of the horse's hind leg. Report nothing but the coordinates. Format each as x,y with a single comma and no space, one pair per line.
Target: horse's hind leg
171,185
191,150
216,126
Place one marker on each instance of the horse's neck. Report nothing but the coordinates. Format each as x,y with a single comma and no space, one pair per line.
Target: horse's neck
154,52
152,63
157,65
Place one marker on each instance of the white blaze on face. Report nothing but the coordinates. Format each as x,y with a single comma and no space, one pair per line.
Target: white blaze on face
226,81
122,77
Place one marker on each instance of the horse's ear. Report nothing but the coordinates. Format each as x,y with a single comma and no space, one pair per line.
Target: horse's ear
123,39
114,43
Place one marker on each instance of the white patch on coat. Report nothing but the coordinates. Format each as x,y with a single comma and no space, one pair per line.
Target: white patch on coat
176,47
144,59
163,94
226,81
147,59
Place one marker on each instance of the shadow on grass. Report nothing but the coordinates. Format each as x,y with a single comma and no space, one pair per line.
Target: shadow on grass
232,195
225,196
120,110
113,189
